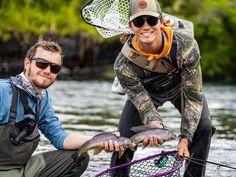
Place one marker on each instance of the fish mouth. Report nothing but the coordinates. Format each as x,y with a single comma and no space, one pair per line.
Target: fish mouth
174,136
133,146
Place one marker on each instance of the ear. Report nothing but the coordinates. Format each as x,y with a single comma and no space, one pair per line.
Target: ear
162,20
161,23
130,26
27,62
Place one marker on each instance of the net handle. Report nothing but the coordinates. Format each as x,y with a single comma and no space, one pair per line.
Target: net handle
81,13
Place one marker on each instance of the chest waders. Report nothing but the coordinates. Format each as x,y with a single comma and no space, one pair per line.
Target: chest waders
19,140
166,75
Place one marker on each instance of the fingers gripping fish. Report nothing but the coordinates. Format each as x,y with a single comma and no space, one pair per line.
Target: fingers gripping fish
147,131
96,143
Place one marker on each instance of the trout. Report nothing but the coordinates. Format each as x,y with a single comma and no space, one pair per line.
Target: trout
146,130
96,143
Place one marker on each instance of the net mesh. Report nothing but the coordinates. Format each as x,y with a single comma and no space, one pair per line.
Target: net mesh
162,165
109,16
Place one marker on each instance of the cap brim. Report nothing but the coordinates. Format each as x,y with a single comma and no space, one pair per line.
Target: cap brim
154,14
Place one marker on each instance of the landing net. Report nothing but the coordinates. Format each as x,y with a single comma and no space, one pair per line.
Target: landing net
163,164
110,17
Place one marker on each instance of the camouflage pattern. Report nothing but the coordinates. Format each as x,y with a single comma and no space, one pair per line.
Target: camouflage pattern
188,60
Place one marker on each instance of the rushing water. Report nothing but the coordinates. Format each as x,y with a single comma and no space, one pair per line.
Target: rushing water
89,107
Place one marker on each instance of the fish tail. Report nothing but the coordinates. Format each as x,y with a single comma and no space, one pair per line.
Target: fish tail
120,154
96,151
78,157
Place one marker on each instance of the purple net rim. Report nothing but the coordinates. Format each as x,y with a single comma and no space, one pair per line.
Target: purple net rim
146,158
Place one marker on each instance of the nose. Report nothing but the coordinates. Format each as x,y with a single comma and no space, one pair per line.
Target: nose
146,24
47,69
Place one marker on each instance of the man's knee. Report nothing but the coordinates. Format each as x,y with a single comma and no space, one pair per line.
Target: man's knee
64,164
206,129
80,165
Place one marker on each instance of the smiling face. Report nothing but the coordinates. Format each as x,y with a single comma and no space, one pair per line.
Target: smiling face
149,38
41,78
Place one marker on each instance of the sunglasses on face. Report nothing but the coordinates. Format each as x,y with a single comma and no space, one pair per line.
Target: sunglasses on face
43,64
139,21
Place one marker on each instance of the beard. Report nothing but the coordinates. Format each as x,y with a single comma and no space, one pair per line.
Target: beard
41,85
36,83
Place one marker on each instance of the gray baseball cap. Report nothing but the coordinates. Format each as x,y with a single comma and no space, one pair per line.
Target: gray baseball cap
144,7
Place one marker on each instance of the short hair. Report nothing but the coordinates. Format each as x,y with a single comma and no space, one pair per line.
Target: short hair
46,45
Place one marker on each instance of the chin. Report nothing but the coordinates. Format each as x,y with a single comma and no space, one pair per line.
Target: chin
43,84
46,85
147,40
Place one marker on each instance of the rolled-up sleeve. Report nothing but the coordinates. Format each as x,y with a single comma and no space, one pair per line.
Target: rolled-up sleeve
50,125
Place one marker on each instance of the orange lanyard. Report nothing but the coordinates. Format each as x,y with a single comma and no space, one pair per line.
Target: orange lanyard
168,33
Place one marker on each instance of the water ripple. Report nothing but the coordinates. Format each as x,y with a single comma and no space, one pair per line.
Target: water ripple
89,107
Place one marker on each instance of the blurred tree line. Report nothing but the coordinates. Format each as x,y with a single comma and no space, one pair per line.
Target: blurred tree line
214,26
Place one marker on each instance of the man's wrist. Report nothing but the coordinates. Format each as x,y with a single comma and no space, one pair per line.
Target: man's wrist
157,124
184,138
151,117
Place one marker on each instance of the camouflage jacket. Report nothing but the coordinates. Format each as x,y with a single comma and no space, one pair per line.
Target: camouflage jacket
188,60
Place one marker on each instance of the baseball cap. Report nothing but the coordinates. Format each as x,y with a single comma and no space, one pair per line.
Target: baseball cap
144,7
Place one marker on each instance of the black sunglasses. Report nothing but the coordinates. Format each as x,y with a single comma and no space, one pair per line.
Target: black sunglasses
139,21
43,64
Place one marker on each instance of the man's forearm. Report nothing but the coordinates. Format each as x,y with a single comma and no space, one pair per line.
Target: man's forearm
74,141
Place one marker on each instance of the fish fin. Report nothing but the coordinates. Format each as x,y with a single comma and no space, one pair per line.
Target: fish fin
99,134
121,153
145,146
142,128
78,157
96,151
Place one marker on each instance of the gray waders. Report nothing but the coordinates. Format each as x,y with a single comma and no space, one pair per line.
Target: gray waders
18,142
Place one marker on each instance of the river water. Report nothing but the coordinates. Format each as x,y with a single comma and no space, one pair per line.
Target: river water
89,107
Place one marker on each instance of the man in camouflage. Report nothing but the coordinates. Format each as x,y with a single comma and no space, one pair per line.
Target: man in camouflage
159,64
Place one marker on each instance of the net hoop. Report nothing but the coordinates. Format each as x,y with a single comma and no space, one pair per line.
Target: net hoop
111,18
172,170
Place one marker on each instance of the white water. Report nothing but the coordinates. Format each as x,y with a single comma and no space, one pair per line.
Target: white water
89,107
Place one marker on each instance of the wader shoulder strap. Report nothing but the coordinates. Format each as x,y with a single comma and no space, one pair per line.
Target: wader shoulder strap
173,53
163,65
27,109
13,110
160,79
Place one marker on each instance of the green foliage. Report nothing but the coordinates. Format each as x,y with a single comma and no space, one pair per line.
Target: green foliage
215,31
24,17
214,24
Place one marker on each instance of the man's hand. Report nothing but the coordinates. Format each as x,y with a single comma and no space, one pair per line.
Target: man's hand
110,145
183,148
153,140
